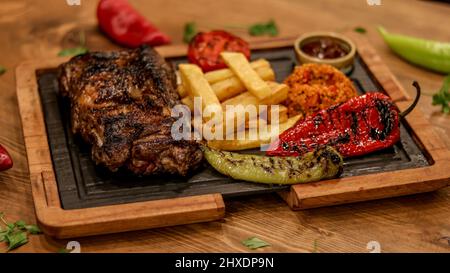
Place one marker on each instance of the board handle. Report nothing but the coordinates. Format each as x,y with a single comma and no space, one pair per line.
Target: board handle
60,223
307,196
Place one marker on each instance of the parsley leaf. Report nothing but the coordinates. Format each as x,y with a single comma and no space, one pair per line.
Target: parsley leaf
360,30
33,229
63,250
16,239
2,70
442,97
190,30
269,28
254,243
3,234
16,234
20,224
75,51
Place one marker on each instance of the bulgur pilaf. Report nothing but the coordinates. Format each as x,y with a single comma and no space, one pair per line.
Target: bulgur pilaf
317,86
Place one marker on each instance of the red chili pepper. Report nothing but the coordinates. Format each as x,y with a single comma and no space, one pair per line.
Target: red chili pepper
359,126
126,26
5,159
205,48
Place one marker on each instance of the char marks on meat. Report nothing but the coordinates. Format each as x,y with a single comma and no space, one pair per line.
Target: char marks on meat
120,103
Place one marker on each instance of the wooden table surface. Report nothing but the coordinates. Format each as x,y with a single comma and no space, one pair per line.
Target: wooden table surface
32,29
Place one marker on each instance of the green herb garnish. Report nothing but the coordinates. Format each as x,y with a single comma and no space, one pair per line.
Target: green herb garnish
16,235
442,97
360,30
2,70
16,239
63,250
190,30
33,229
269,28
254,243
20,224
75,51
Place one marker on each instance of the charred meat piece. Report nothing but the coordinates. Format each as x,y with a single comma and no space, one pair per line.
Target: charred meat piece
121,104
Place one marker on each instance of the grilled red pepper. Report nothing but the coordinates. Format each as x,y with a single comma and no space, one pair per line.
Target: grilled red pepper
359,126
126,26
5,159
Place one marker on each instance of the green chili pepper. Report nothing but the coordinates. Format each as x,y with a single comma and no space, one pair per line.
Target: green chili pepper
426,53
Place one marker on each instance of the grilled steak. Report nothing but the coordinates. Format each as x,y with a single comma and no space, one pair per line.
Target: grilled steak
120,103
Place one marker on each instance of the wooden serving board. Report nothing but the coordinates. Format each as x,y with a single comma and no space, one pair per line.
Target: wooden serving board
387,184
63,223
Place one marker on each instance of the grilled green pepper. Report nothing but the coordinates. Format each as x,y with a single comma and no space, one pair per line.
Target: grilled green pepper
426,53
313,166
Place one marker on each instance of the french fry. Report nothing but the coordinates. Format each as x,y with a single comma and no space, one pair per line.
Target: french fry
182,91
228,83
255,123
178,77
231,86
189,102
223,74
278,94
237,145
251,80
243,99
282,114
266,73
197,86
238,123
228,88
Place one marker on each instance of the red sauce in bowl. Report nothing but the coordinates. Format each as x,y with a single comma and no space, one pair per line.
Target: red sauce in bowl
325,48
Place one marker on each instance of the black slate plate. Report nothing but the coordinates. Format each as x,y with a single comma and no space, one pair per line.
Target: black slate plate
81,184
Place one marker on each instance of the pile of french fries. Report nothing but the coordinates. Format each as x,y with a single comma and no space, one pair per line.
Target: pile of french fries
242,83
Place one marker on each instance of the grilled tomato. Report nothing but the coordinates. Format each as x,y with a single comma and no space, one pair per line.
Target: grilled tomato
205,48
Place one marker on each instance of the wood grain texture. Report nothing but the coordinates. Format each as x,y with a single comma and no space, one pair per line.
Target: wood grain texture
416,223
379,69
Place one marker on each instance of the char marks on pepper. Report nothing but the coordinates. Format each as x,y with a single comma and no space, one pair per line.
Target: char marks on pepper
362,125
